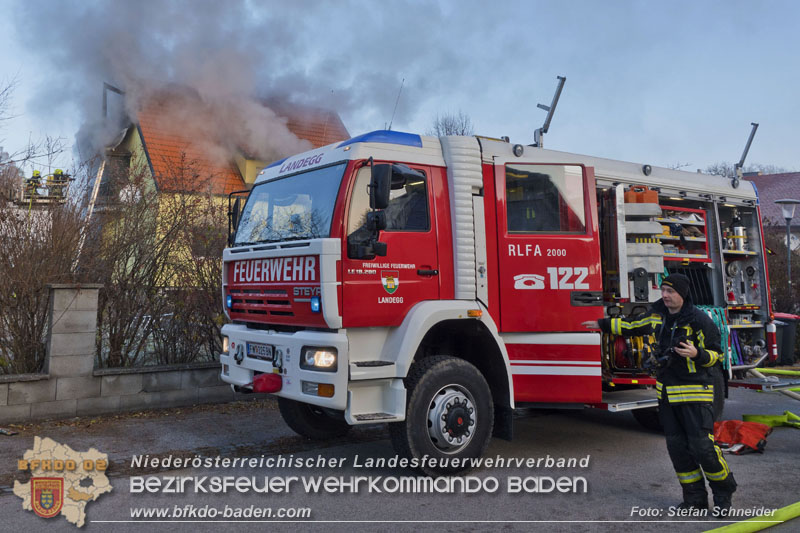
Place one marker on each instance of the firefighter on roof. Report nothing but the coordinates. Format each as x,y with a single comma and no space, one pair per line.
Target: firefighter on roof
689,343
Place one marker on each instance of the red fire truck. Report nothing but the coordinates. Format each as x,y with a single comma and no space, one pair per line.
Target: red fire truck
437,284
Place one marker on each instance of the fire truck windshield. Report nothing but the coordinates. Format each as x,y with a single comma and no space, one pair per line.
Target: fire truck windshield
292,208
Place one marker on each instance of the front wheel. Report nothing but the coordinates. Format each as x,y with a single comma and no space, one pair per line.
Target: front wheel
449,414
311,421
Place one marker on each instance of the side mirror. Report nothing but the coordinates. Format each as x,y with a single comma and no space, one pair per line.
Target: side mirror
380,185
233,218
237,205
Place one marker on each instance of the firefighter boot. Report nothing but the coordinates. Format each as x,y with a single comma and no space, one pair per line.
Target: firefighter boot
722,496
694,496
722,504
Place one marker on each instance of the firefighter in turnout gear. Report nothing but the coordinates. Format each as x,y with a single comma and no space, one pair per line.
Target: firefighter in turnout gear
689,345
56,182
32,184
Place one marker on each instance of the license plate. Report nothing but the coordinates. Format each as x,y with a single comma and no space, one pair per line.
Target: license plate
259,351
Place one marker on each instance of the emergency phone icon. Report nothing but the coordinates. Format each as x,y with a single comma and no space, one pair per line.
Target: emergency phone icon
528,281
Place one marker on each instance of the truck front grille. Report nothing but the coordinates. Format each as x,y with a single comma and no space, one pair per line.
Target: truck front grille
257,302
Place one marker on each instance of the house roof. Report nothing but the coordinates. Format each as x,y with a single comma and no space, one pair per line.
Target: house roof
176,143
773,187
172,151
318,126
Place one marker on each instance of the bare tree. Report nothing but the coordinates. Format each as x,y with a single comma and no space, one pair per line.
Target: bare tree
157,255
6,91
11,177
35,151
451,124
727,169
38,246
130,252
10,174
191,330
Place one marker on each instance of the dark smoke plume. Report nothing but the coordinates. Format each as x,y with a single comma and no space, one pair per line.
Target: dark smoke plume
232,55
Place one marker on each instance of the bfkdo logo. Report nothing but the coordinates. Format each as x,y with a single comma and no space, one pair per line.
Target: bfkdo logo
47,495
63,481
390,280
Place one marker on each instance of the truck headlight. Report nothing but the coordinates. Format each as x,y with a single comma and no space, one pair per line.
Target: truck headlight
318,358
226,344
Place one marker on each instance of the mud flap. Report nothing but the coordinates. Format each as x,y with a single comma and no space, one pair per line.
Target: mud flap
503,422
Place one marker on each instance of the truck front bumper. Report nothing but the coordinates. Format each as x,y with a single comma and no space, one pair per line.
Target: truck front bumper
287,348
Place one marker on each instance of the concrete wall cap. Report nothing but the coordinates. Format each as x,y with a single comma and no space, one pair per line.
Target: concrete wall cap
14,378
77,286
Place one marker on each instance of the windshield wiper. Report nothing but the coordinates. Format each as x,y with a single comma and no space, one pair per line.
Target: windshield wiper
272,241
306,238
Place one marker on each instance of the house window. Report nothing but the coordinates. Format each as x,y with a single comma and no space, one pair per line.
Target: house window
545,199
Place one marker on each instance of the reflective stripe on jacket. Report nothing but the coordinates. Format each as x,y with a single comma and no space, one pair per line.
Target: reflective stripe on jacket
685,393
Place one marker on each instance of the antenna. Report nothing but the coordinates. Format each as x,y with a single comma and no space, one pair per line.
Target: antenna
538,135
396,102
737,168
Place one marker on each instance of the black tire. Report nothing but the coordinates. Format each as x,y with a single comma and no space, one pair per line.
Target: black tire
648,418
453,391
719,392
311,421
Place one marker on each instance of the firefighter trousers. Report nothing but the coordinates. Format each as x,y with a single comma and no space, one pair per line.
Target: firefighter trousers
689,429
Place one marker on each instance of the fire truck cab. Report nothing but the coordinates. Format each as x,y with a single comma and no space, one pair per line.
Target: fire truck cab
438,283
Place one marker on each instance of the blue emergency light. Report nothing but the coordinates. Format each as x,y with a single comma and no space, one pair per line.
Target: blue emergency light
315,304
386,137
229,301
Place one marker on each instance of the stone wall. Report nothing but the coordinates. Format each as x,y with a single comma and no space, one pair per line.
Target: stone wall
70,386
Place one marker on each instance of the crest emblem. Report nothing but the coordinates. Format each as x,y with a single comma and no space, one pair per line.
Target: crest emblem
390,280
47,495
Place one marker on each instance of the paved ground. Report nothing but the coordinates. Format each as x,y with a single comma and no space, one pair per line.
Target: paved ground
628,467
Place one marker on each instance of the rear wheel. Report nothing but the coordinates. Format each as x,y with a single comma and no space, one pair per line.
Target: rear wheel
311,421
449,413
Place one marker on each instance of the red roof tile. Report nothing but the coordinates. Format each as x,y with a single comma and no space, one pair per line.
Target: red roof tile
182,162
317,126
184,155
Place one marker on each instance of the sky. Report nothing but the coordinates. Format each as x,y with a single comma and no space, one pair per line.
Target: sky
664,83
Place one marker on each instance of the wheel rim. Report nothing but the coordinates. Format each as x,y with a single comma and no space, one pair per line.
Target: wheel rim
452,418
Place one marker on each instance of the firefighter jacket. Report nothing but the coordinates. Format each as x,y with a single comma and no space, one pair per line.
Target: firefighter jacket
681,379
